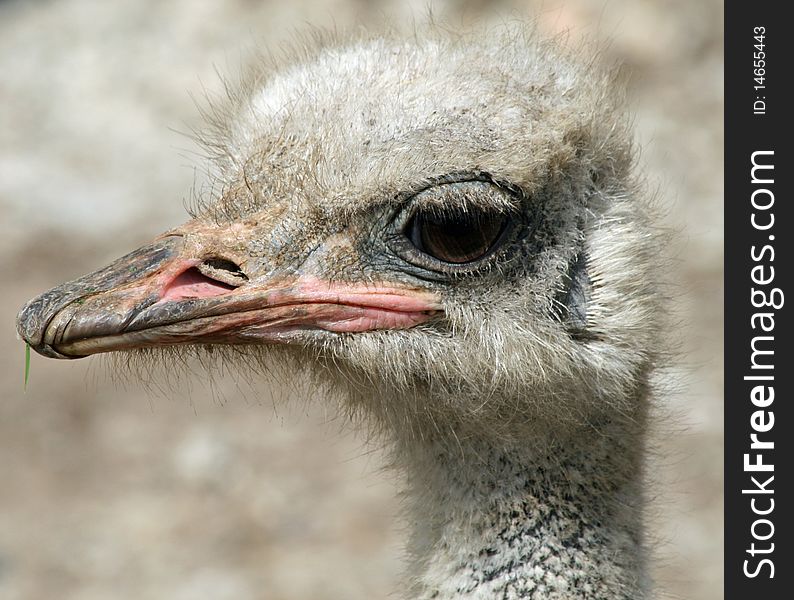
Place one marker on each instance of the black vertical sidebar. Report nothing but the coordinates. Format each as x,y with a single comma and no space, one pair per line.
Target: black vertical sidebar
759,299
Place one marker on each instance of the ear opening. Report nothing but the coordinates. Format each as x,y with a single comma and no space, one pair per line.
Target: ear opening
570,303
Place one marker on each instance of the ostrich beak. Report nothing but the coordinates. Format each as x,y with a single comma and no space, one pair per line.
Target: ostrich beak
159,295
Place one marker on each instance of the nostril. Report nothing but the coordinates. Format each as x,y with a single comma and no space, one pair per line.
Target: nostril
223,270
213,277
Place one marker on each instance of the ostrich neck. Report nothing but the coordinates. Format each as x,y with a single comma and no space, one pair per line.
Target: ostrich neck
558,519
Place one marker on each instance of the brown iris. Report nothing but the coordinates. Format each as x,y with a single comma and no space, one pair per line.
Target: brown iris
456,237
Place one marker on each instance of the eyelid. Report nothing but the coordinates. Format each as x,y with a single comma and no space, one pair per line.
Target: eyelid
484,195
438,196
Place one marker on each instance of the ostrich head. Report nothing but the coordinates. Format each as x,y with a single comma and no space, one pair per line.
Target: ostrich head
447,229
449,233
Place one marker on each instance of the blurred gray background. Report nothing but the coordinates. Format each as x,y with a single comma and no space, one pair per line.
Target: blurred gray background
108,490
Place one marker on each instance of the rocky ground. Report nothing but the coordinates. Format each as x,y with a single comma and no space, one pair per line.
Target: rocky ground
222,490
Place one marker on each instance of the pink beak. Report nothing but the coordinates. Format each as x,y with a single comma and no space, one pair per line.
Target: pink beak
157,296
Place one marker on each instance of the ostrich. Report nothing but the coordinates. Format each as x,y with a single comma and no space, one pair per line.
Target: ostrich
448,234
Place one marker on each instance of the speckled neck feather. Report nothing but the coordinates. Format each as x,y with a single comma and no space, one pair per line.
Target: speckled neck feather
559,518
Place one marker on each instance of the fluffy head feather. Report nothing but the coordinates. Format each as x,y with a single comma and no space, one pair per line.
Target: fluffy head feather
566,330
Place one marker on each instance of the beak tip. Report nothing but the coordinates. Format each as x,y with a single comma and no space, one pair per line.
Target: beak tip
28,326
31,326
41,322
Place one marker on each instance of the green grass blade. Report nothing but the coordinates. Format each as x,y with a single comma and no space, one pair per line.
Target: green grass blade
27,364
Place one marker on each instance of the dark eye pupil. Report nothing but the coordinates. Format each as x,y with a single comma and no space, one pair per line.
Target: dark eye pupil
455,238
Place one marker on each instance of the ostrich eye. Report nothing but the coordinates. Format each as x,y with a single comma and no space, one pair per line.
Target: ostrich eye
456,227
455,237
